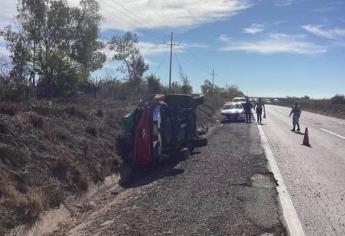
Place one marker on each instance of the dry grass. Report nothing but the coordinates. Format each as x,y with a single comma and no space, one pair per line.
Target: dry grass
33,207
15,198
62,133
54,193
74,111
35,119
4,148
99,113
66,170
92,130
8,108
48,152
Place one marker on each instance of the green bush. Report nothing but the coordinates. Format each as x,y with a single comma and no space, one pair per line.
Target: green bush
60,77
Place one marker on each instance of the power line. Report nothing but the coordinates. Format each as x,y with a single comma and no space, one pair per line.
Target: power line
200,63
196,62
130,14
178,63
162,60
131,22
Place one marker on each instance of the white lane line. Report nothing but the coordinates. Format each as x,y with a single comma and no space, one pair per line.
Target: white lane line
290,215
330,132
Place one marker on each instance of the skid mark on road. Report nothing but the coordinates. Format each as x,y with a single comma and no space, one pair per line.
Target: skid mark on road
330,132
289,212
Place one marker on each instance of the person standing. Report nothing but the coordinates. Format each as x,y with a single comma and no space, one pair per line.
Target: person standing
259,108
248,110
296,114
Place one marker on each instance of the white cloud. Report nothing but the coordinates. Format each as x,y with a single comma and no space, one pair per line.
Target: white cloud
284,3
152,14
318,30
224,38
168,13
254,29
8,12
277,43
149,49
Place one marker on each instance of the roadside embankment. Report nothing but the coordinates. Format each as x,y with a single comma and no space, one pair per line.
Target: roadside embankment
50,150
53,149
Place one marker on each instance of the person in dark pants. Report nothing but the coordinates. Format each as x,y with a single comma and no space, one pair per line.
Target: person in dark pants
296,112
247,110
259,108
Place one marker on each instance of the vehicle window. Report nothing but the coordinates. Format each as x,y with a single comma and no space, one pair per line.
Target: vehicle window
226,107
233,106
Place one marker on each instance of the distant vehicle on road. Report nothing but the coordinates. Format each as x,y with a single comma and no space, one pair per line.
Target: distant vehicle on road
239,99
233,111
268,101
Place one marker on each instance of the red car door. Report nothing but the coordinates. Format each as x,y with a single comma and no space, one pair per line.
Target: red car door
143,138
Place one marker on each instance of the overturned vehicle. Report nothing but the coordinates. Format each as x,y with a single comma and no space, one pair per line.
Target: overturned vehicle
161,128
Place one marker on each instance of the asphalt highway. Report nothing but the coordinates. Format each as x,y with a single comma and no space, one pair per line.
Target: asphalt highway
314,176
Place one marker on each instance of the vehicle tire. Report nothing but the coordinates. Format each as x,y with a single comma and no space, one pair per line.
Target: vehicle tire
184,153
191,148
201,142
124,146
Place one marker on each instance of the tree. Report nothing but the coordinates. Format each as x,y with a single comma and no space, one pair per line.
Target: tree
338,99
63,75
186,88
126,50
56,42
207,88
31,19
153,85
20,54
231,92
86,45
228,92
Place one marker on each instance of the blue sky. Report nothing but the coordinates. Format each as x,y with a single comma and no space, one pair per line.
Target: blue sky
267,48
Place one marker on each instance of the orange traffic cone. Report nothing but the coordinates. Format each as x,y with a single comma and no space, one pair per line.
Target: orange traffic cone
306,138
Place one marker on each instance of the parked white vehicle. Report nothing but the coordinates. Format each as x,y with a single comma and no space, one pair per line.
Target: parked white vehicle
233,111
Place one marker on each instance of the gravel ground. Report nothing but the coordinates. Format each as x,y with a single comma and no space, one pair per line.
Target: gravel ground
222,189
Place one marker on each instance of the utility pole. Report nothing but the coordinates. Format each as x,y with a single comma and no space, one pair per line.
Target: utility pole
171,44
213,75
